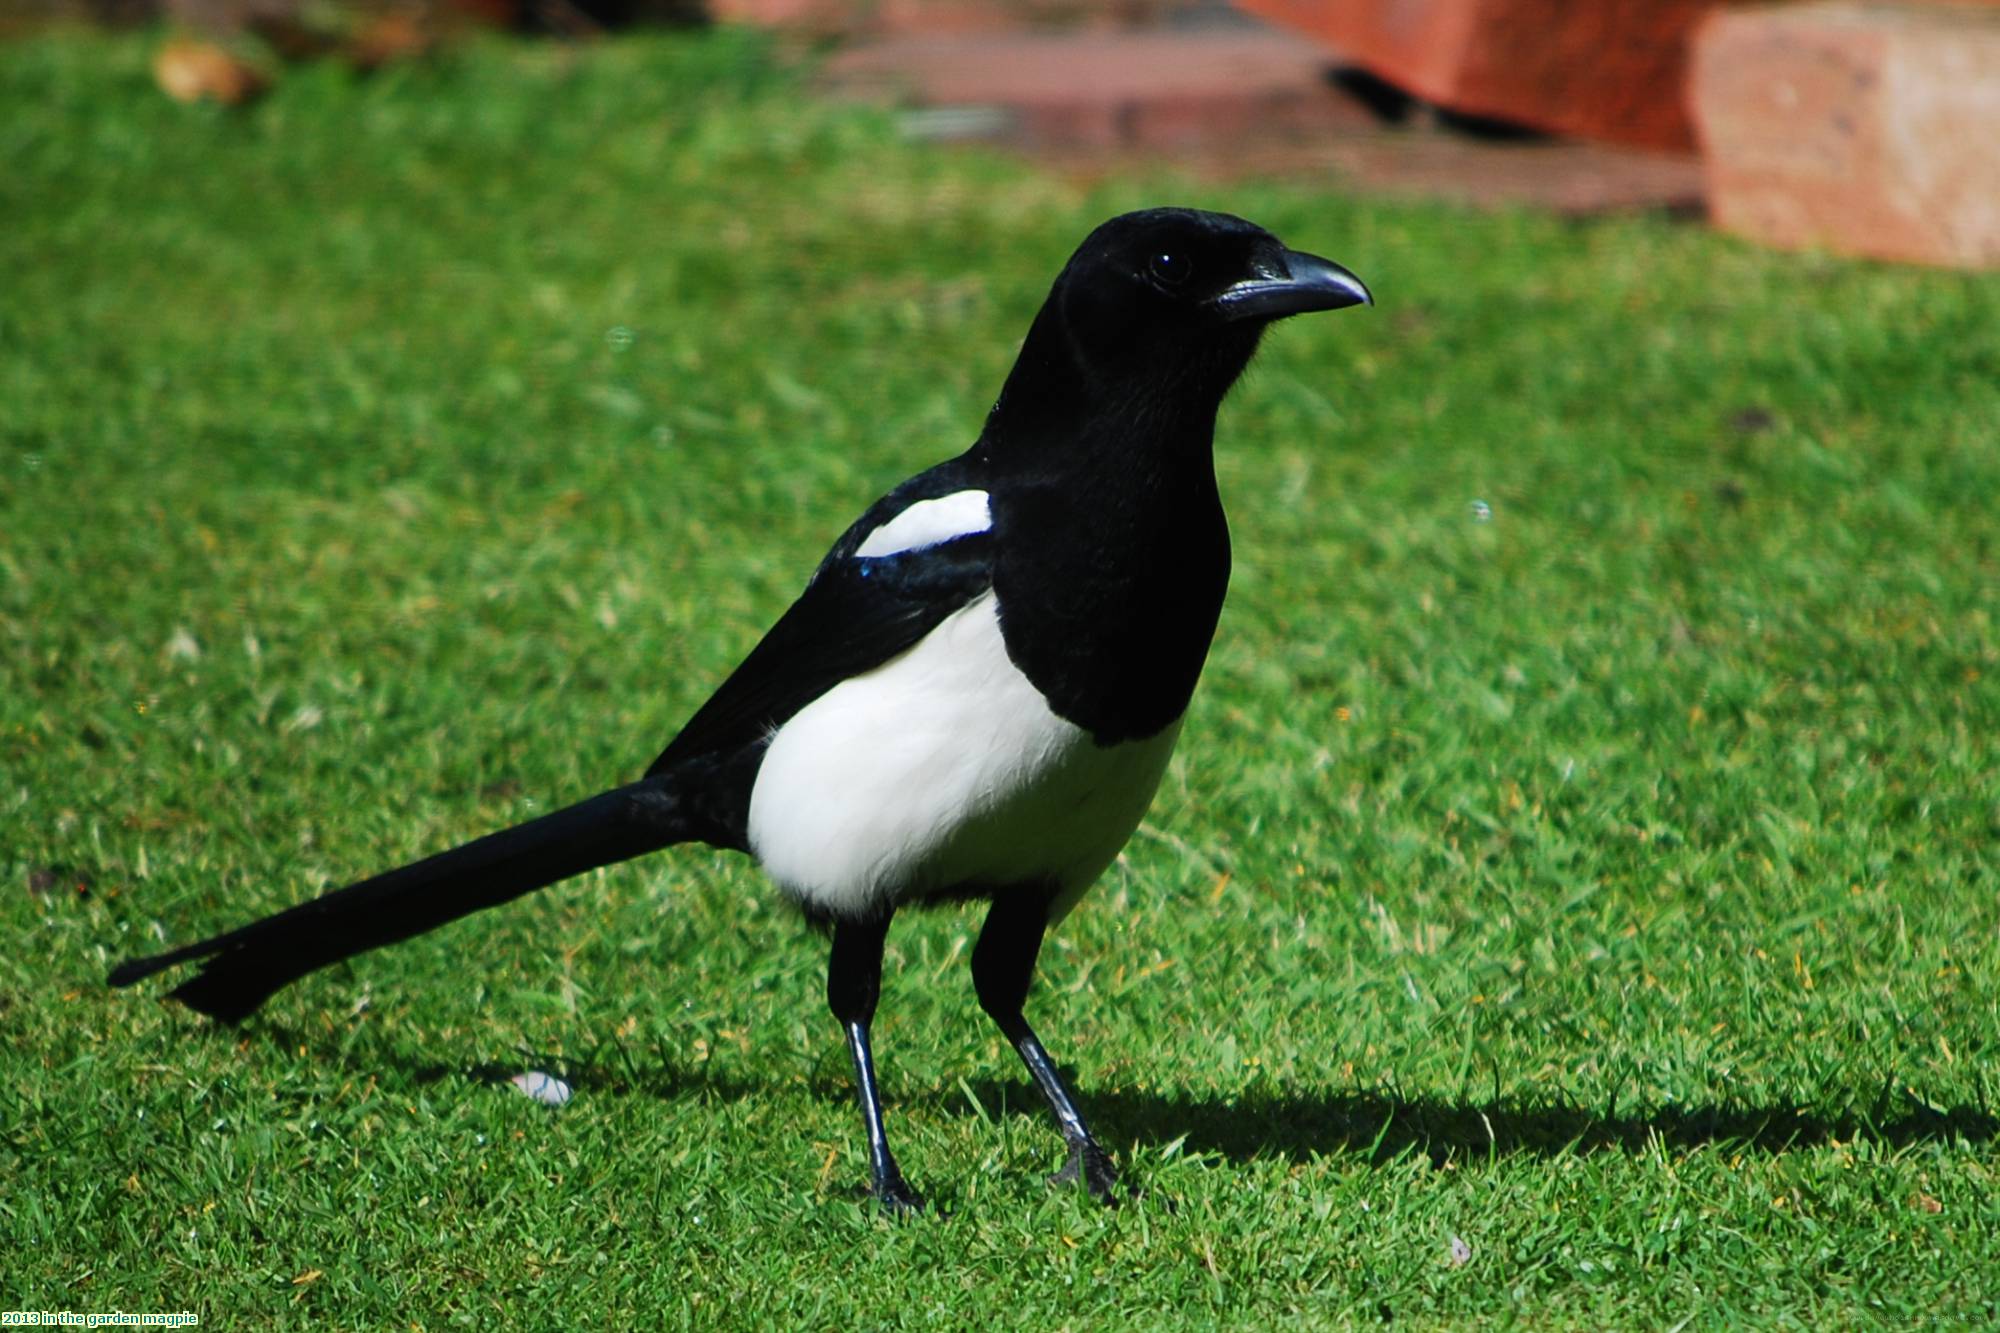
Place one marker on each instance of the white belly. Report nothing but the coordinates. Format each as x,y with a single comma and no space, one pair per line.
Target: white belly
944,770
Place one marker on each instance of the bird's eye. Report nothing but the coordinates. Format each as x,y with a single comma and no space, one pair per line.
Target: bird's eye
1170,269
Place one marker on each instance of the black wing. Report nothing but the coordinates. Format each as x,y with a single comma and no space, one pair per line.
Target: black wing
854,615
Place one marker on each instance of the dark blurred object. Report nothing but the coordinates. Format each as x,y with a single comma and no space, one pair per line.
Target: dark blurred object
18,17
225,16
194,71
639,13
1868,129
396,35
575,18
489,13
1613,70
302,29
291,38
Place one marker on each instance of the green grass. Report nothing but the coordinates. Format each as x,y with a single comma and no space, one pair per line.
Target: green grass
1610,884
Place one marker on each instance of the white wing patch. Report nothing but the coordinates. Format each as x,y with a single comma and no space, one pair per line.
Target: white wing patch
929,522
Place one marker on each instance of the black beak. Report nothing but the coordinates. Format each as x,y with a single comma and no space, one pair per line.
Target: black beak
1297,283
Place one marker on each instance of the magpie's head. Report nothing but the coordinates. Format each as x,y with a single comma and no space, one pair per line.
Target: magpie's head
1169,303
1178,274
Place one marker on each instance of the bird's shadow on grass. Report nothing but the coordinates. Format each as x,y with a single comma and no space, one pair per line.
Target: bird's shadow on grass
1297,1124
1385,1126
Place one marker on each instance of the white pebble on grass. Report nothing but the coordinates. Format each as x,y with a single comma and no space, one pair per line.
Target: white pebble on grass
544,1088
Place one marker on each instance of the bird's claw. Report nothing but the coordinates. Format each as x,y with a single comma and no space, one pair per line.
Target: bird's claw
1089,1166
896,1198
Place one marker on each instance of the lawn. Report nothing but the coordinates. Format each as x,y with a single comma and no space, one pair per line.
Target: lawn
1574,901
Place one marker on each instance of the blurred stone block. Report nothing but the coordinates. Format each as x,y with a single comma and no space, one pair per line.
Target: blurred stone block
1869,129
1143,90
1600,69
1566,176
952,17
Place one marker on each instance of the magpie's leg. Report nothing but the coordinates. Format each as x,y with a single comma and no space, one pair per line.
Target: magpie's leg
1003,962
853,984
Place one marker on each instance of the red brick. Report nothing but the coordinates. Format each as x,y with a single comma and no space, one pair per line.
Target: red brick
1149,90
1599,69
1872,130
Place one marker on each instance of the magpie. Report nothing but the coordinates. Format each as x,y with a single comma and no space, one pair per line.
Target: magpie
976,694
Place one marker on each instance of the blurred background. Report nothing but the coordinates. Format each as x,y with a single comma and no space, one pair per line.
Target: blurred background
1862,128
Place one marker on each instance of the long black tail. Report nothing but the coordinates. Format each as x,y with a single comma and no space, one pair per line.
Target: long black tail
245,966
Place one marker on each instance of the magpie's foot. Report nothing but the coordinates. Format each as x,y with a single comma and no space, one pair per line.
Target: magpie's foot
1090,1166
897,1198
